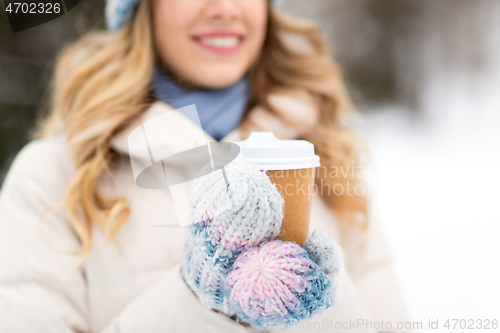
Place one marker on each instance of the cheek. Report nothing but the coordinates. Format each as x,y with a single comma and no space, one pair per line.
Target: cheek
256,15
175,13
172,20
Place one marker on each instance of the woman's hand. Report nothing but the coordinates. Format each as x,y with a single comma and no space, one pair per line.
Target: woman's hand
281,283
231,220
233,264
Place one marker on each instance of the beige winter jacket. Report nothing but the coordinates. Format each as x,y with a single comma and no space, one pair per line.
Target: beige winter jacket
133,285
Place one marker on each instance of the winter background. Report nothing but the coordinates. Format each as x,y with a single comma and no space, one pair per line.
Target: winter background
425,75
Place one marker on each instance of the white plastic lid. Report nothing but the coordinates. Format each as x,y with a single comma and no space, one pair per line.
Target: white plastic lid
270,153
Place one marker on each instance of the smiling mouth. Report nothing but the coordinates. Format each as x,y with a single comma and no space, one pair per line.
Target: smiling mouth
220,44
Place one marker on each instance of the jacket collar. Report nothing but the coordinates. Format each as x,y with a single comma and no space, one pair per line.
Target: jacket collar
188,136
186,131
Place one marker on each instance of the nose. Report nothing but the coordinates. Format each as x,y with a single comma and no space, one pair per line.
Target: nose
223,10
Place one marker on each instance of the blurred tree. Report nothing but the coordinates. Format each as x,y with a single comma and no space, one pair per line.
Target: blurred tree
26,63
362,34
394,51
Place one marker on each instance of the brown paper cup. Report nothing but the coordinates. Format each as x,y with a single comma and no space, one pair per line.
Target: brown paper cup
296,187
291,165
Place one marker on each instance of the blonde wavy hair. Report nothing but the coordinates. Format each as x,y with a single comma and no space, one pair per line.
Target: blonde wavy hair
102,84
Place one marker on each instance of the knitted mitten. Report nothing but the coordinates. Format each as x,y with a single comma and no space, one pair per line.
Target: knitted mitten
234,265
233,219
280,283
329,255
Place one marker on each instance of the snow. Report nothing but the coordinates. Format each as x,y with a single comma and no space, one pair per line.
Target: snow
436,179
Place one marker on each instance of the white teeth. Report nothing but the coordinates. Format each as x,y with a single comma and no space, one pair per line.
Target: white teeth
221,42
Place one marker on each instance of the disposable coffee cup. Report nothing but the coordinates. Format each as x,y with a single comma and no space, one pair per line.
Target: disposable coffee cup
291,165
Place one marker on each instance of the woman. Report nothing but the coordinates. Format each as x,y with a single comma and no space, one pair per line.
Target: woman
77,250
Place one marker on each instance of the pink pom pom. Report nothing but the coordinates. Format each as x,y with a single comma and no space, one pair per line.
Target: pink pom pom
276,283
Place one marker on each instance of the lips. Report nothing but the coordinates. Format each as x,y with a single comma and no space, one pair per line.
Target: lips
221,42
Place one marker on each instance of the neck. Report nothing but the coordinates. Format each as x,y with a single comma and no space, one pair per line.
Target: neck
178,80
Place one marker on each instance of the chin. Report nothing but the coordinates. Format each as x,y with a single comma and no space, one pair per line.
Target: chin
219,78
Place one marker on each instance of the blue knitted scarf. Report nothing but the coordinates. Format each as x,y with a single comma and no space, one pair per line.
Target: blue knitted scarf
220,110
